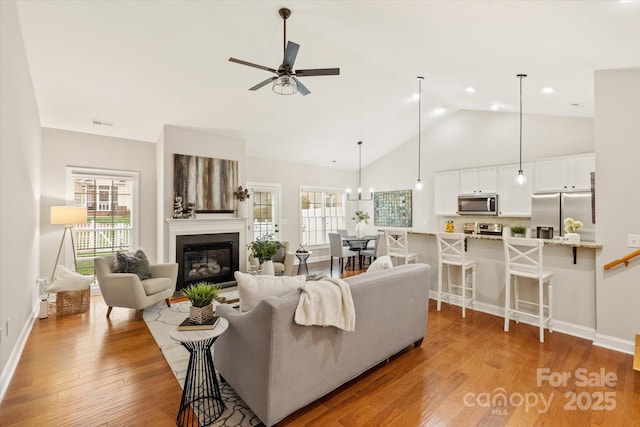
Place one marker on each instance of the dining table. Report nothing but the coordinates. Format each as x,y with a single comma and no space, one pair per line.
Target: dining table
357,244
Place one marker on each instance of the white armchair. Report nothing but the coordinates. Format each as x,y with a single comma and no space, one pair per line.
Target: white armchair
128,291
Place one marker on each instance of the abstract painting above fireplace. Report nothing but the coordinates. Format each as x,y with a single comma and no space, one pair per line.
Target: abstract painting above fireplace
206,182
211,258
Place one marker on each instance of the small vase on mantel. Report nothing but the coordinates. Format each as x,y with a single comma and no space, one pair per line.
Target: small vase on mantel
361,229
241,209
268,269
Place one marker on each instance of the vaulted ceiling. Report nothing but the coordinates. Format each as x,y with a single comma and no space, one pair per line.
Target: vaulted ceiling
142,64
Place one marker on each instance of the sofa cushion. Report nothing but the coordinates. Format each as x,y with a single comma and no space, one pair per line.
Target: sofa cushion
381,263
67,280
136,263
279,256
254,288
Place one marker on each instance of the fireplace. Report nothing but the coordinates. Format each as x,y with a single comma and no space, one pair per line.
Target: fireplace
211,258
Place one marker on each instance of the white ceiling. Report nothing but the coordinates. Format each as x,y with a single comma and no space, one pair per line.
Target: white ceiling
143,64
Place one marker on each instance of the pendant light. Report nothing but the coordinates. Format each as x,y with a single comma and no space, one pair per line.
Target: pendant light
521,179
419,181
359,198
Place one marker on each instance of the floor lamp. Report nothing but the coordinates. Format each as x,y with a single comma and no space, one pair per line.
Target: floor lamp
67,216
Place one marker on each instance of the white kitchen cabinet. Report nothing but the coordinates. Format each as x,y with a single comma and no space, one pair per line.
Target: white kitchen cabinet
514,200
445,192
564,174
478,181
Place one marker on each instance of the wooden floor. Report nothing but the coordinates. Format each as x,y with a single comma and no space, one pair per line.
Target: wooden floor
86,370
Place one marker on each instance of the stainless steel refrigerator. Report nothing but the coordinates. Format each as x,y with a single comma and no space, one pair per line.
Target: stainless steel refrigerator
550,209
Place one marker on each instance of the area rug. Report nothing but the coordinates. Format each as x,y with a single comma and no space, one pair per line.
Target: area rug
160,320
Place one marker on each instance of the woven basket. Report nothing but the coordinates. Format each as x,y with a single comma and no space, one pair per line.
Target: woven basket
200,315
72,302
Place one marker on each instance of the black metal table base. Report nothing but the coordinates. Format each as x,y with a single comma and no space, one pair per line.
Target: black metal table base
201,402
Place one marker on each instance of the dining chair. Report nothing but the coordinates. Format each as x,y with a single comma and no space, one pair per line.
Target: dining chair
378,249
340,251
343,233
451,253
523,260
398,245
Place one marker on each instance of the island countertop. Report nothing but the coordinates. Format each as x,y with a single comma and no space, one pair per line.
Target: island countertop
547,242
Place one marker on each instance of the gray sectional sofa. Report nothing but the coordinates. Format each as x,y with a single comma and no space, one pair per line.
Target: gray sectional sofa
277,366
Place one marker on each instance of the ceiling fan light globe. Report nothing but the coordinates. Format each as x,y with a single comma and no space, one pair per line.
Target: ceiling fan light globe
284,85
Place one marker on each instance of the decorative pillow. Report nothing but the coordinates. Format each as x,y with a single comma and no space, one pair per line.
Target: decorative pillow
279,256
254,288
67,280
381,263
136,264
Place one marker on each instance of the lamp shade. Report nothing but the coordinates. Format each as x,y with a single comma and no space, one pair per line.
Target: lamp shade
67,215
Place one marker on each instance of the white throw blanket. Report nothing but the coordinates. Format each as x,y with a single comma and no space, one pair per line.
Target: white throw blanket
326,302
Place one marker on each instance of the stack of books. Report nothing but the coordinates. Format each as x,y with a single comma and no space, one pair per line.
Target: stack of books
186,325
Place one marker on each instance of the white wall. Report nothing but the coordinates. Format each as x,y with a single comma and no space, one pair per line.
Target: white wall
617,147
471,139
19,192
61,148
292,176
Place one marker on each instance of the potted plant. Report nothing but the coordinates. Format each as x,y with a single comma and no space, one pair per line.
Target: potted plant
571,226
518,231
201,296
362,218
264,248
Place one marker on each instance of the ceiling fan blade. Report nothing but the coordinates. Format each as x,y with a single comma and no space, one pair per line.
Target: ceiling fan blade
318,72
262,67
290,54
264,83
301,88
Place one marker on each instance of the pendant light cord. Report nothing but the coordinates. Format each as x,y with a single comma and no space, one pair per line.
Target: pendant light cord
419,122
521,76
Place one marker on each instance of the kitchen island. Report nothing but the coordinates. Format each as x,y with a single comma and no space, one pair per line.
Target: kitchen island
573,285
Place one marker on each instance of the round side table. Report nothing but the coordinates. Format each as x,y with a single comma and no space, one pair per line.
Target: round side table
201,400
302,257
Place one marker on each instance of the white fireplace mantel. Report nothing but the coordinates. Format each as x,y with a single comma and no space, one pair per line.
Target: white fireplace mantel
189,226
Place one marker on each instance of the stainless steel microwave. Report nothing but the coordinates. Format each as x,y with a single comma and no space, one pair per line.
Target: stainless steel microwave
486,204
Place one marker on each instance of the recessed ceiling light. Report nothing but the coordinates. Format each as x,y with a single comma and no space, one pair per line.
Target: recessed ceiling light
415,96
496,107
439,110
470,89
577,104
547,90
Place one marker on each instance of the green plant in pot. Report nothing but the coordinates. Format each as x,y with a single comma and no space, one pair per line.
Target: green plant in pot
201,296
264,248
518,231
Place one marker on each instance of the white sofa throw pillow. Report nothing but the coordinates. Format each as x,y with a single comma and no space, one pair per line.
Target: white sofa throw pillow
67,280
254,288
381,263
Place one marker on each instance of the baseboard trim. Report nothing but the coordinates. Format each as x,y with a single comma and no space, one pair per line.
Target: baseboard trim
14,358
614,343
558,325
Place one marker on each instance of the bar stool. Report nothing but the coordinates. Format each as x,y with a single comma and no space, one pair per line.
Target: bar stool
451,253
523,259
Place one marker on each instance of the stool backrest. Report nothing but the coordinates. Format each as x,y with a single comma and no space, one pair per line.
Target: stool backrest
523,255
397,241
451,247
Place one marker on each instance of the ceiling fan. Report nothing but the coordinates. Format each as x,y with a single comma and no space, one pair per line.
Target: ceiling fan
285,81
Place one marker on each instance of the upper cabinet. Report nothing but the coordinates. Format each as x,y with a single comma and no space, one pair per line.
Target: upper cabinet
445,194
564,174
479,181
514,199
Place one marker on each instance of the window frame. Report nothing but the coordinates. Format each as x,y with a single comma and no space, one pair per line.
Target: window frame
324,190
73,172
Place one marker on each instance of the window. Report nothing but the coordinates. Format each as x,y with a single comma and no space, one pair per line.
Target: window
322,212
111,201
